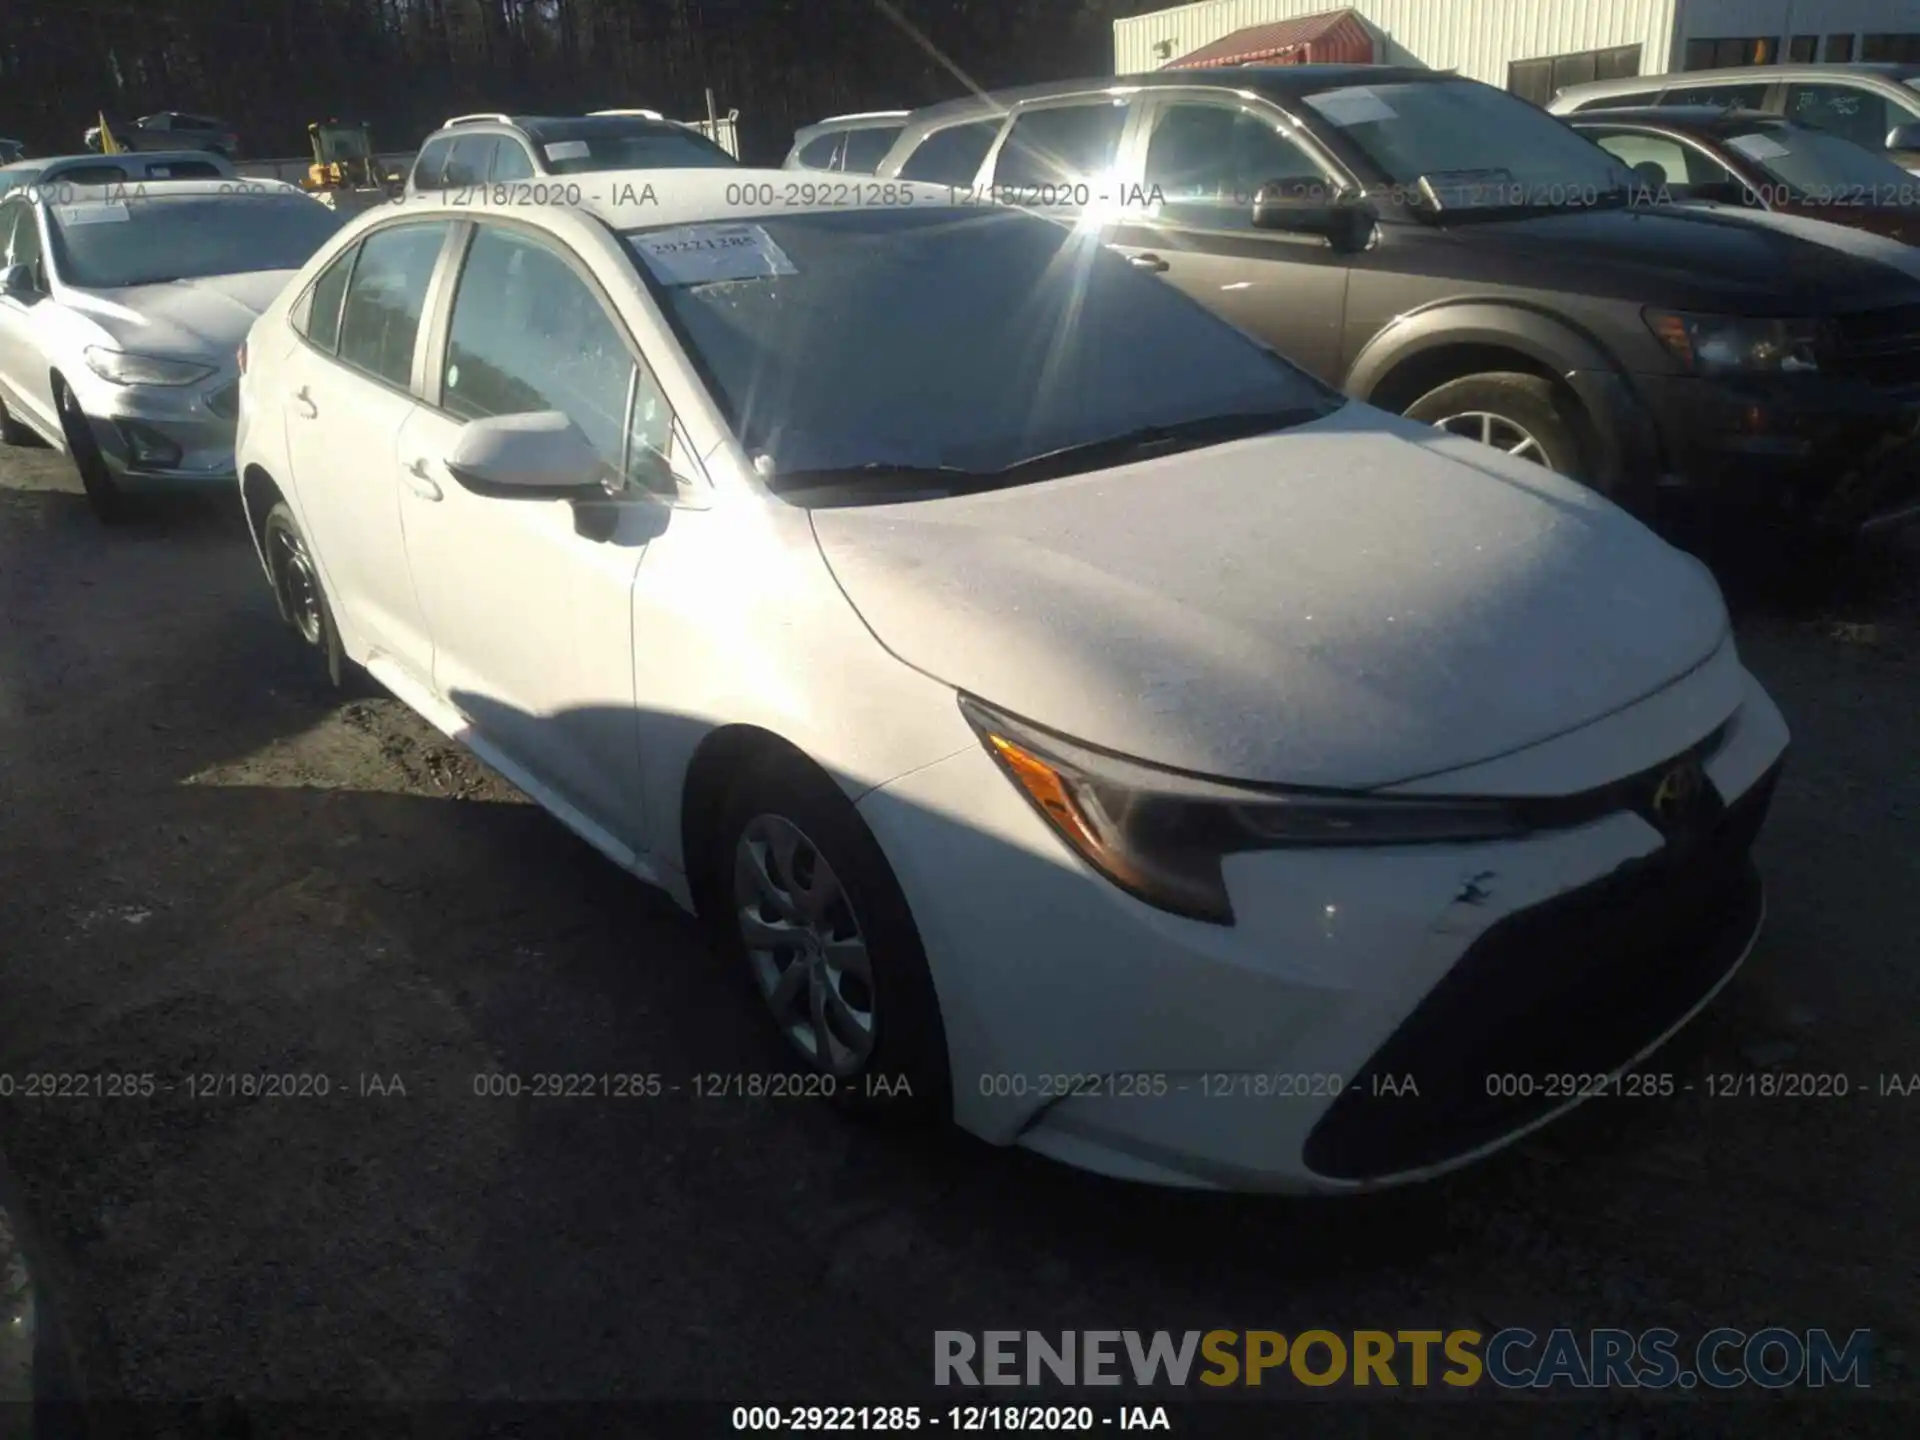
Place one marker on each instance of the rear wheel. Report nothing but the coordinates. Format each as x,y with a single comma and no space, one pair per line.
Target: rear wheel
301,597
1522,415
807,905
108,501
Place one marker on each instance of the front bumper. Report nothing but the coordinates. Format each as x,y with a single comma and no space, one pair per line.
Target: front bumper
1087,1026
1834,454
164,437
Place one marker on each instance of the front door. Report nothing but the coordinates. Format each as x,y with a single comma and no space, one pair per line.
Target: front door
24,373
1204,160
531,618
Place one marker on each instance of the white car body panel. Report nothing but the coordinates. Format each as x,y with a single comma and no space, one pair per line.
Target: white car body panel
590,672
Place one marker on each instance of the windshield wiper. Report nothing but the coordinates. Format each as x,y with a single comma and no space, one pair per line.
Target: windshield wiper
870,479
1148,441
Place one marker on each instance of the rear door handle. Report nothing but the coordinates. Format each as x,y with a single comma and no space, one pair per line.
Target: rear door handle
1148,262
421,483
303,398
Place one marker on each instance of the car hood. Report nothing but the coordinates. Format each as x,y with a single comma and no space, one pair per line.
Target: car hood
1726,255
1882,235
207,316
1355,603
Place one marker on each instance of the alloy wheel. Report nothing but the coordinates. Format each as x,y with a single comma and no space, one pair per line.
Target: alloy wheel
1499,431
299,585
804,944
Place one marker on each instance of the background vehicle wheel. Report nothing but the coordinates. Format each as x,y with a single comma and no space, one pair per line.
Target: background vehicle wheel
807,905
106,498
1520,414
302,598
12,432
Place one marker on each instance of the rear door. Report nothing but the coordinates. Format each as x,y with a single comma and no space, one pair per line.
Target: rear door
23,359
1203,156
1059,155
867,147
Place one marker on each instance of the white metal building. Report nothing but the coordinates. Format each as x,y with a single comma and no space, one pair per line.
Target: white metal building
1533,47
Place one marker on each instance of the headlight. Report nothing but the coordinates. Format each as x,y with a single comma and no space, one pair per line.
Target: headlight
1161,835
125,369
1734,344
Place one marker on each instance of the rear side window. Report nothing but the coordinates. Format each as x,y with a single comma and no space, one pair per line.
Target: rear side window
432,161
381,318
321,321
1208,161
511,161
865,149
1623,102
819,152
951,156
92,175
470,161
1730,97
1063,142
184,170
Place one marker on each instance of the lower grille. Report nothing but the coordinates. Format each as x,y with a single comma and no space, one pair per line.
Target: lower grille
225,402
1881,347
1576,986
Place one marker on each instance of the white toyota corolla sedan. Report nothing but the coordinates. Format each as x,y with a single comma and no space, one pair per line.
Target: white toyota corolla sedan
1071,717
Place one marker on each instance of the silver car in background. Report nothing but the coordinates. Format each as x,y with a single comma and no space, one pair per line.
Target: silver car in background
66,171
121,312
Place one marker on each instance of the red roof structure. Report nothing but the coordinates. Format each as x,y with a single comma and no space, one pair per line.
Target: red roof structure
1338,37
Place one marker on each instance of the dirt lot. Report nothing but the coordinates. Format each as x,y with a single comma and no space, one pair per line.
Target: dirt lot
209,865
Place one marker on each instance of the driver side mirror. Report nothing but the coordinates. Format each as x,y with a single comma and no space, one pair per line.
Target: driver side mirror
1310,206
17,280
1904,137
542,456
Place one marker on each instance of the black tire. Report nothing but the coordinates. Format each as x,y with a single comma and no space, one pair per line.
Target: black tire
12,432
307,611
904,1077
1527,402
107,499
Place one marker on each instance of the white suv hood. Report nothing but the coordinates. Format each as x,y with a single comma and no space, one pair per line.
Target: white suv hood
1354,603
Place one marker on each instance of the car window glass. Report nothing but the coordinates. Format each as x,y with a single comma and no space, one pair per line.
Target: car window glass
93,175
511,161
381,317
183,170
951,156
1728,97
1208,161
433,160
472,157
528,334
321,325
1062,143
23,245
1658,163
1623,102
1853,114
817,153
867,148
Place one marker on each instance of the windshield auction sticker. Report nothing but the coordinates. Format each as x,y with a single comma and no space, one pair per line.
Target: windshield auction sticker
1355,105
100,213
702,254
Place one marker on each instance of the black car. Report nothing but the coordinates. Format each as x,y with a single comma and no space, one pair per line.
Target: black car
171,130
1447,251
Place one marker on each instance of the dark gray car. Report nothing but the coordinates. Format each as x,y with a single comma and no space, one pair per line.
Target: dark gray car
1448,251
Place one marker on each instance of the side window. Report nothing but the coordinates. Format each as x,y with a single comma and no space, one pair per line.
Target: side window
319,316
867,148
1660,163
472,157
381,317
1857,115
1729,97
818,153
1624,102
183,170
1060,143
951,156
23,244
529,334
511,161
433,160
1208,162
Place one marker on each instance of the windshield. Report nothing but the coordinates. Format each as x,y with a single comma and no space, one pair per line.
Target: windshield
965,339
1819,166
146,239
627,145
1477,146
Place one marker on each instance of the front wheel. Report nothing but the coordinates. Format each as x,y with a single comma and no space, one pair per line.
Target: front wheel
810,908
1522,415
108,501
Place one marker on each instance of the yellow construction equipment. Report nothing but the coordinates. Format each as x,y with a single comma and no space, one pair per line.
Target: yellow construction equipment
342,157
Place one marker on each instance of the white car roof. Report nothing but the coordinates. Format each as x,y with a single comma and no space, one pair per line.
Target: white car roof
122,192
642,199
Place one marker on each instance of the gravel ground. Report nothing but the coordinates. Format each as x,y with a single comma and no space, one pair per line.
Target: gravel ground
207,864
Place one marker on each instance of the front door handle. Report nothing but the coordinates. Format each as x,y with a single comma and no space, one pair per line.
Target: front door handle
421,483
311,411
1148,262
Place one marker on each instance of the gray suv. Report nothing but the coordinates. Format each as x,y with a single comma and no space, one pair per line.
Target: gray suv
1448,251
850,144
475,150
1877,107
